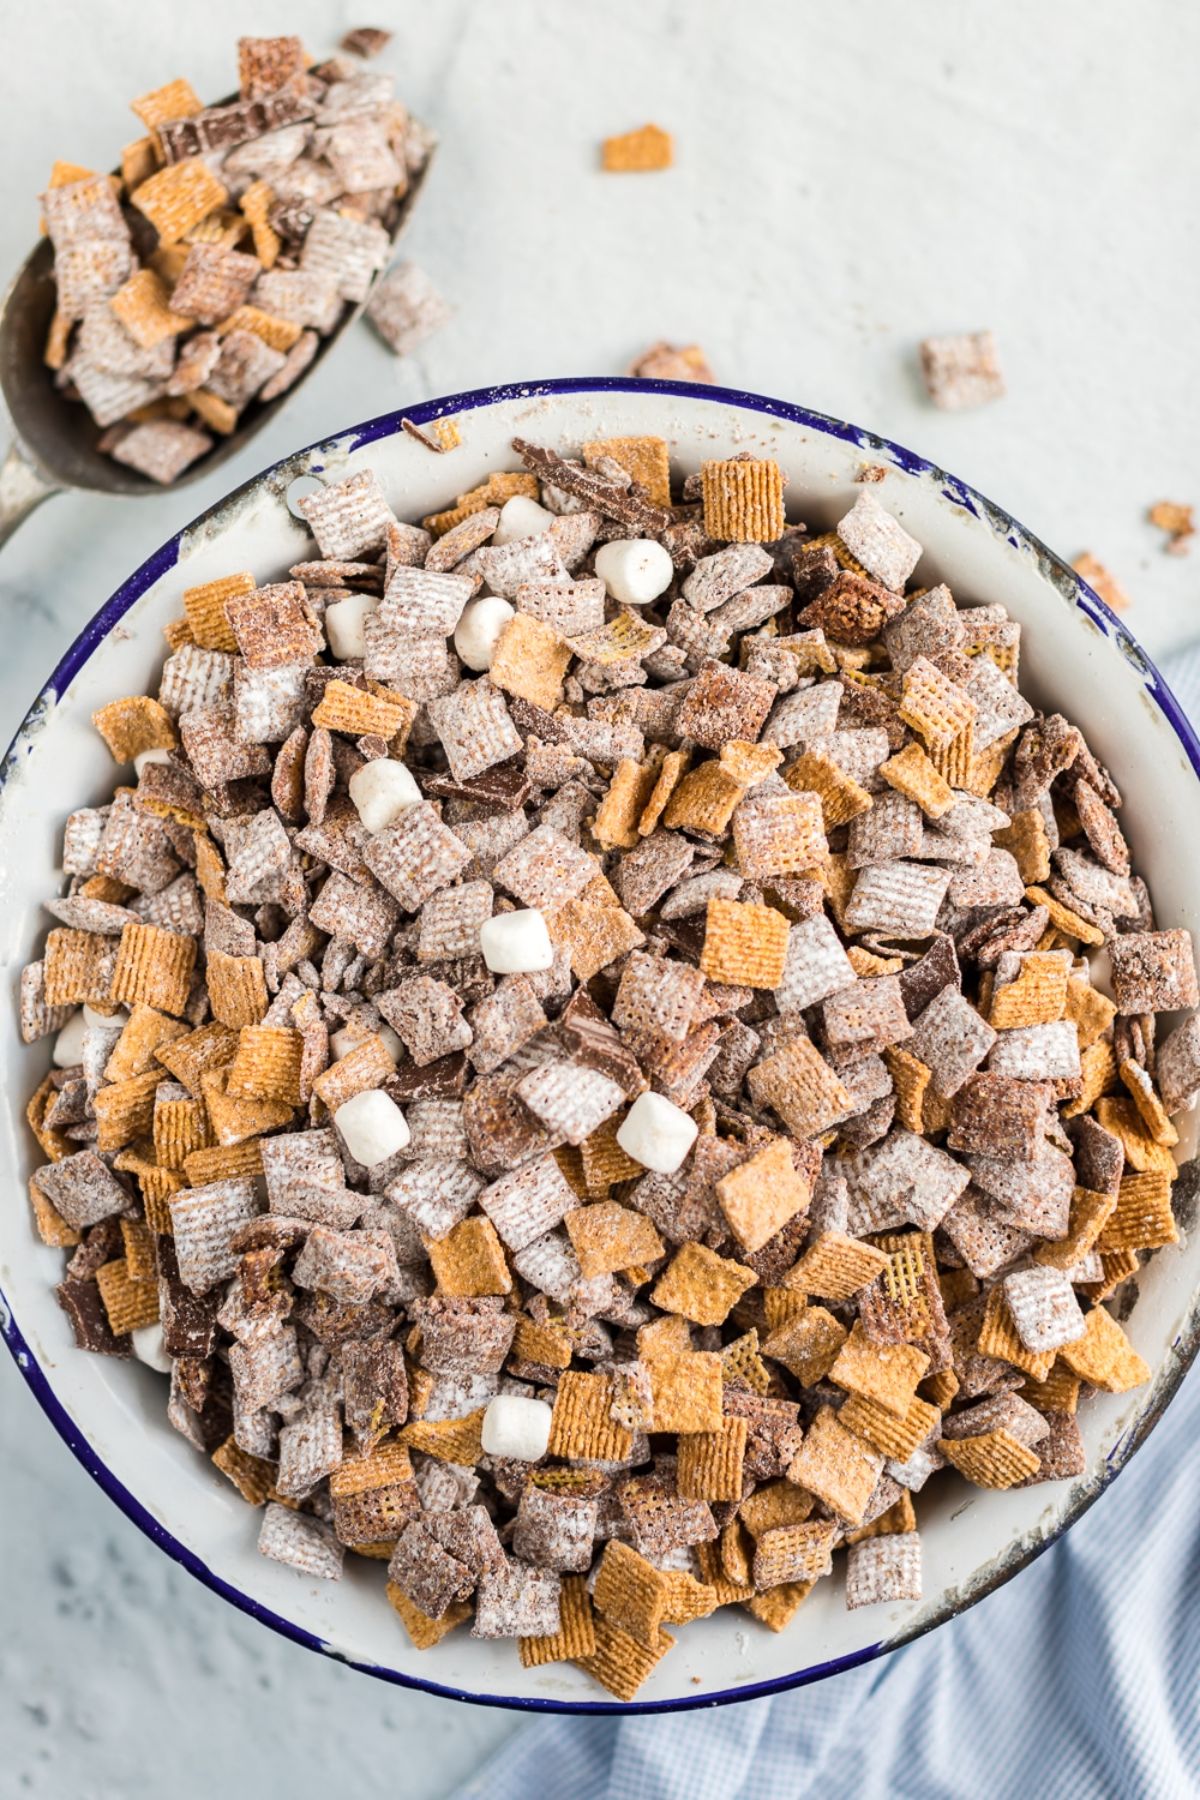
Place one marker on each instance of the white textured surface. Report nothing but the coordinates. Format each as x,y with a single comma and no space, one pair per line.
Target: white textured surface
849,180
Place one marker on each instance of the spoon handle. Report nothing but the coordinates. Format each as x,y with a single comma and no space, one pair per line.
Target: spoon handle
23,485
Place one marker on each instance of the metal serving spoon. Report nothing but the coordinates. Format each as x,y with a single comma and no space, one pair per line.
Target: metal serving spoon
55,443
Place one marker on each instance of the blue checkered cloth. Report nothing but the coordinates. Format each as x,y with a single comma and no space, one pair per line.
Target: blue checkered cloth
1080,1678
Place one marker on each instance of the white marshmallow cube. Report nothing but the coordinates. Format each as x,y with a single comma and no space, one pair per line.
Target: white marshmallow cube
516,1426
516,943
657,1133
149,1348
343,1040
521,517
372,1127
106,1021
68,1045
479,629
345,626
149,756
382,790
634,570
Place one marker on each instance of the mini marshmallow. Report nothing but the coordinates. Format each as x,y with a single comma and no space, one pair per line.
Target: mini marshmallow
345,626
148,1347
149,756
382,790
657,1133
372,1127
516,943
517,1427
521,517
342,1041
634,570
106,1021
478,630
68,1045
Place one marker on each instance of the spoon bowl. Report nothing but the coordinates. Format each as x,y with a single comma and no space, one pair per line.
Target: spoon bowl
56,440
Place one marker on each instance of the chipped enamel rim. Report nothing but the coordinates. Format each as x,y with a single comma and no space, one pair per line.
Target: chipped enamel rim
956,494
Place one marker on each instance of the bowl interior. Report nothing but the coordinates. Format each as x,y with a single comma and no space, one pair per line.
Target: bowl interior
1074,658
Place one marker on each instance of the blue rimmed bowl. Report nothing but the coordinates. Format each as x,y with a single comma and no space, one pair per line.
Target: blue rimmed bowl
1075,657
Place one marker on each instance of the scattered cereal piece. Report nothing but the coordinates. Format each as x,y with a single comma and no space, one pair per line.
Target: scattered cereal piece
962,371
640,151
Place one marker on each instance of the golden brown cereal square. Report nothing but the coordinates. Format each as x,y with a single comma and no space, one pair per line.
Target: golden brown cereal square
77,967
191,1056
801,1552
998,1338
993,1459
841,797
802,1088
252,1476
836,1267
128,1304
178,197
423,1631
885,1373
154,968
143,1034
837,1466
639,152
373,712
1104,1355
469,1260
449,1440
744,944
582,1428
1142,1218
776,1503
267,1065
619,1662
896,1437
912,774
237,989
530,661
776,1607
1122,1118
1028,840
807,1344
125,1110
180,1126
593,929
687,1598
742,1363
144,310
548,1346
607,1237
703,799
761,1195
743,500
686,1390
130,726
630,1592
233,1119
615,825
701,1285
710,1462
601,1162
576,1634
647,459
175,100
205,609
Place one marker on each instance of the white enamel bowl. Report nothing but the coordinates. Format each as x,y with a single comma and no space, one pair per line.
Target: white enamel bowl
111,1413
